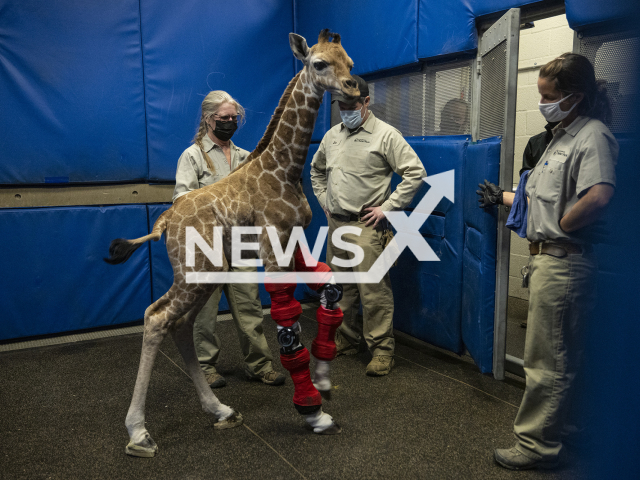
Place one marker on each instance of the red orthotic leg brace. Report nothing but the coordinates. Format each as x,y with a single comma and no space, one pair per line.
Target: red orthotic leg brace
324,345
286,310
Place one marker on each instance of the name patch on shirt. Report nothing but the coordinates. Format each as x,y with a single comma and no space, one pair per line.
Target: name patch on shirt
560,152
361,140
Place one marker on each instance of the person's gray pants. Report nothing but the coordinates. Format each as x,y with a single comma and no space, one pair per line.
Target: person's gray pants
562,296
246,310
376,325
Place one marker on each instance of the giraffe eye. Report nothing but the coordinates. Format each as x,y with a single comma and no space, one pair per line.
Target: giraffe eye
320,65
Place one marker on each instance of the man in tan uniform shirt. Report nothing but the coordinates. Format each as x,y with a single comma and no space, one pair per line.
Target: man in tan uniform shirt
351,175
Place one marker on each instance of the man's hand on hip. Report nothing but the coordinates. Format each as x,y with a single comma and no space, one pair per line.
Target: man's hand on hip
327,213
374,217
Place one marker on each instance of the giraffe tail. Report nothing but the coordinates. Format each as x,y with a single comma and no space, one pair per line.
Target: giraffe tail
121,249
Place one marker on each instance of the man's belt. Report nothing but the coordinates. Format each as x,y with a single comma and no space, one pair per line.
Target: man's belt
558,249
352,217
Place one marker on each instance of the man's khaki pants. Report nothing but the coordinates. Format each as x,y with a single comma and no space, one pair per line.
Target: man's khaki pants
561,299
377,299
246,310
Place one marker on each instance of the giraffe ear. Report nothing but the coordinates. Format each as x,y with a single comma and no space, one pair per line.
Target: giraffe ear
298,46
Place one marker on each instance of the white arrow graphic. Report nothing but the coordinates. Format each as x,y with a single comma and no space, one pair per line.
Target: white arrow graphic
408,235
407,227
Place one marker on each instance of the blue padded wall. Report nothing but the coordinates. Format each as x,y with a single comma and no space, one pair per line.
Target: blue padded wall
71,92
197,46
319,218
161,271
450,27
428,294
587,13
446,28
54,278
377,35
479,259
614,332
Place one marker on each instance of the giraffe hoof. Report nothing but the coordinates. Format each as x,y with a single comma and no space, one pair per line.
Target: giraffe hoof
334,429
235,420
141,451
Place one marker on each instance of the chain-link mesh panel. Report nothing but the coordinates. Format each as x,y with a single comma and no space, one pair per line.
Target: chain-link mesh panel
435,102
493,91
615,57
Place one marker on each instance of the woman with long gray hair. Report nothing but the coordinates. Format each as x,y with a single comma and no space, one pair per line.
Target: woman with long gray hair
212,157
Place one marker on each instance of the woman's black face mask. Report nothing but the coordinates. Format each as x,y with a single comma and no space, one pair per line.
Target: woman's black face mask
225,130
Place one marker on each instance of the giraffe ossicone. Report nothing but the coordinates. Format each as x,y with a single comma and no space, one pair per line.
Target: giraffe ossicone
264,191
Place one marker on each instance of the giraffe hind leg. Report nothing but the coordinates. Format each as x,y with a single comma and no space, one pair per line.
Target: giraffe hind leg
183,337
158,318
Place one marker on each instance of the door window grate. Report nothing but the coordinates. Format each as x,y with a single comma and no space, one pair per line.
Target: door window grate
436,101
493,92
615,57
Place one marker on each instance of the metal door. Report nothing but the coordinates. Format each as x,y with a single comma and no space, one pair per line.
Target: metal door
494,114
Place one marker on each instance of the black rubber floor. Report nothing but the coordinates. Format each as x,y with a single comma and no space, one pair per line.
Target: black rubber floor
435,417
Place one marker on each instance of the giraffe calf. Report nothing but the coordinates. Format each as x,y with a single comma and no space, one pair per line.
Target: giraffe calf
262,192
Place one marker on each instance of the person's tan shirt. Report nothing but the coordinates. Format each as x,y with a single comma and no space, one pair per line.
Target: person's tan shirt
193,173
577,158
352,170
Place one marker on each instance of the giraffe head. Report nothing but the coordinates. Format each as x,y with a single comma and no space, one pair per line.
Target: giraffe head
327,64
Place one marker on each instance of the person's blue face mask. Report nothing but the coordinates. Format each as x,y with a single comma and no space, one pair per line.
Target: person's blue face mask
351,118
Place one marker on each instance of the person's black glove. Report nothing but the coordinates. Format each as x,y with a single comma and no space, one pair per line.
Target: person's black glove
490,194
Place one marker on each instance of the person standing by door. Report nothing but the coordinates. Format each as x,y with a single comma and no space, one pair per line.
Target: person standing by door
567,191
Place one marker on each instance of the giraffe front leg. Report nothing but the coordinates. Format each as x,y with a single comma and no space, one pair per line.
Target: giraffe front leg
324,345
183,337
329,317
286,311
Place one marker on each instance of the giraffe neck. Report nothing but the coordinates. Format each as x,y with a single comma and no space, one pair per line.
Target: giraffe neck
292,137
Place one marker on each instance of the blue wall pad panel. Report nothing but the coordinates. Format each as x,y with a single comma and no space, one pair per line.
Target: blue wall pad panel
620,226
54,277
197,46
582,14
71,92
161,271
479,259
614,333
445,28
428,294
386,39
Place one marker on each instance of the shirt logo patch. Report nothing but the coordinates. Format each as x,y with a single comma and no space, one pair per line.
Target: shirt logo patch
361,140
560,152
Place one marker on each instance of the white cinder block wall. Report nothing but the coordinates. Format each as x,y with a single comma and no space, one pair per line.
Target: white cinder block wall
548,39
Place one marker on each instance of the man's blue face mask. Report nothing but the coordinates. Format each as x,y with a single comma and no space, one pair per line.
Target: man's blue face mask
351,118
